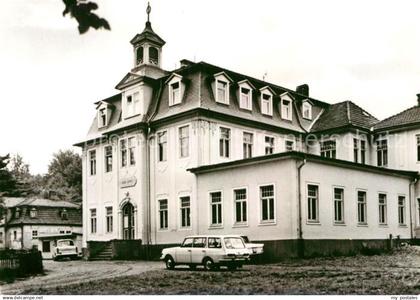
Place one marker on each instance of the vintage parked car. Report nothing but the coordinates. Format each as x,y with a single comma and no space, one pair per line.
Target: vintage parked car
64,248
254,247
211,251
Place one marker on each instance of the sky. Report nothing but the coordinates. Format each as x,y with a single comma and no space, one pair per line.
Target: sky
50,76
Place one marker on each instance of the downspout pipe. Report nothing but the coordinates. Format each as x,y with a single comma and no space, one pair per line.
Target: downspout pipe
411,205
301,249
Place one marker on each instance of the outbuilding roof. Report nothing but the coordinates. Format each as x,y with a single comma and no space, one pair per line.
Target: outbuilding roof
407,117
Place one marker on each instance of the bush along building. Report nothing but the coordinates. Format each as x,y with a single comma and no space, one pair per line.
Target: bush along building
202,149
32,222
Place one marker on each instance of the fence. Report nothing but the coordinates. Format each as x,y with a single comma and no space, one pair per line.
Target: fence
20,263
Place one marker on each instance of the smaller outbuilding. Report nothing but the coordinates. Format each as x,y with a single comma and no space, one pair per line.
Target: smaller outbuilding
33,222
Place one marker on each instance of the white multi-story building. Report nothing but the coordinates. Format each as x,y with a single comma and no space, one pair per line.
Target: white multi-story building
202,149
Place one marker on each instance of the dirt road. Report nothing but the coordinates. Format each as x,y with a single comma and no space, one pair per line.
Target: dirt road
73,272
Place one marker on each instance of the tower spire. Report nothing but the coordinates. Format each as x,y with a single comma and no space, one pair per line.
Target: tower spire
148,10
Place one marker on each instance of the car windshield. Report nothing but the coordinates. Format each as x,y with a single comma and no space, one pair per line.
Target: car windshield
64,243
234,243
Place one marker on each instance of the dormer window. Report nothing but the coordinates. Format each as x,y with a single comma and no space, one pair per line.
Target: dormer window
64,215
222,92
132,105
221,87
286,107
307,110
175,93
17,213
102,117
154,56
246,98
139,56
33,213
267,104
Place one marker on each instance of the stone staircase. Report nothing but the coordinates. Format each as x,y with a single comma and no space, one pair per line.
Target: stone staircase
104,254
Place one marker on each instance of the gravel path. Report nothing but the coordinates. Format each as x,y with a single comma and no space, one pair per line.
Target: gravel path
72,272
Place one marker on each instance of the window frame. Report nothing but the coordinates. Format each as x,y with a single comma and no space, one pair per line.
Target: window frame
165,212
286,146
271,146
286,110
181,155
382,152
383,205
269,103
309,219
268,221
306,106
365,222
342,200
331,151
130,156
248,105
162,154
225,143
93,220
109,219
226,91
242,223
249,146
92,162
404,211
188,227
108,163
172,99
210,214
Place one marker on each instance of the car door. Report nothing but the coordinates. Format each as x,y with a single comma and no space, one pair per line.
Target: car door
183,253
198,250
214,249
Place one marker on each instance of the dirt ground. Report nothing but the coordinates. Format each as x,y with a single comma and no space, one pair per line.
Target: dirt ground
398,273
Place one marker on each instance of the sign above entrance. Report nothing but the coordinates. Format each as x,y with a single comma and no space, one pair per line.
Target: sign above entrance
128,182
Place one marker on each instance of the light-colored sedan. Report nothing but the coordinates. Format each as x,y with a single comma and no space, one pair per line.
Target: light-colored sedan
64,248
211,251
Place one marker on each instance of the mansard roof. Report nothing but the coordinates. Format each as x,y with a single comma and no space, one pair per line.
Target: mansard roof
344,114
408,117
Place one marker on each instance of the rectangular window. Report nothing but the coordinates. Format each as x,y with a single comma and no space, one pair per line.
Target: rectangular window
163,214
289,145
245,98
338,205
312,203
401,210
93,220
266,104
286,110
356,150
382,153
162,145
328,149
102,117
175,96
184,141
109,219
363,152
216,208
34,234
240,206
185,212
123,148
92,159
15,235
221,91
267,203
108,159
418,146
132,150
269,145
1,237
361,207
382,209
224,142
247,144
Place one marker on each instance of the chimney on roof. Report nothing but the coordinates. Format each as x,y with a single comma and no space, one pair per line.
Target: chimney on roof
303,90
186,63
418,99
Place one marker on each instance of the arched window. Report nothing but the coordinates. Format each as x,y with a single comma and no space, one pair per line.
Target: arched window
153,56
139,55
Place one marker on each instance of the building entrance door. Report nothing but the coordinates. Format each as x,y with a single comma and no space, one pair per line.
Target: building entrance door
128,222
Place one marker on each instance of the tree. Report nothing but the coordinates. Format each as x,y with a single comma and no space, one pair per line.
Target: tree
64,178
7,182
22,177
81,10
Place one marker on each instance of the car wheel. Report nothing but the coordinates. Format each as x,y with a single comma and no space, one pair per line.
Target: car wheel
193,267
208,264
170,263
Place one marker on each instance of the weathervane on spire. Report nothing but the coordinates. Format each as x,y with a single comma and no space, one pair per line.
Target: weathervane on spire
148,10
